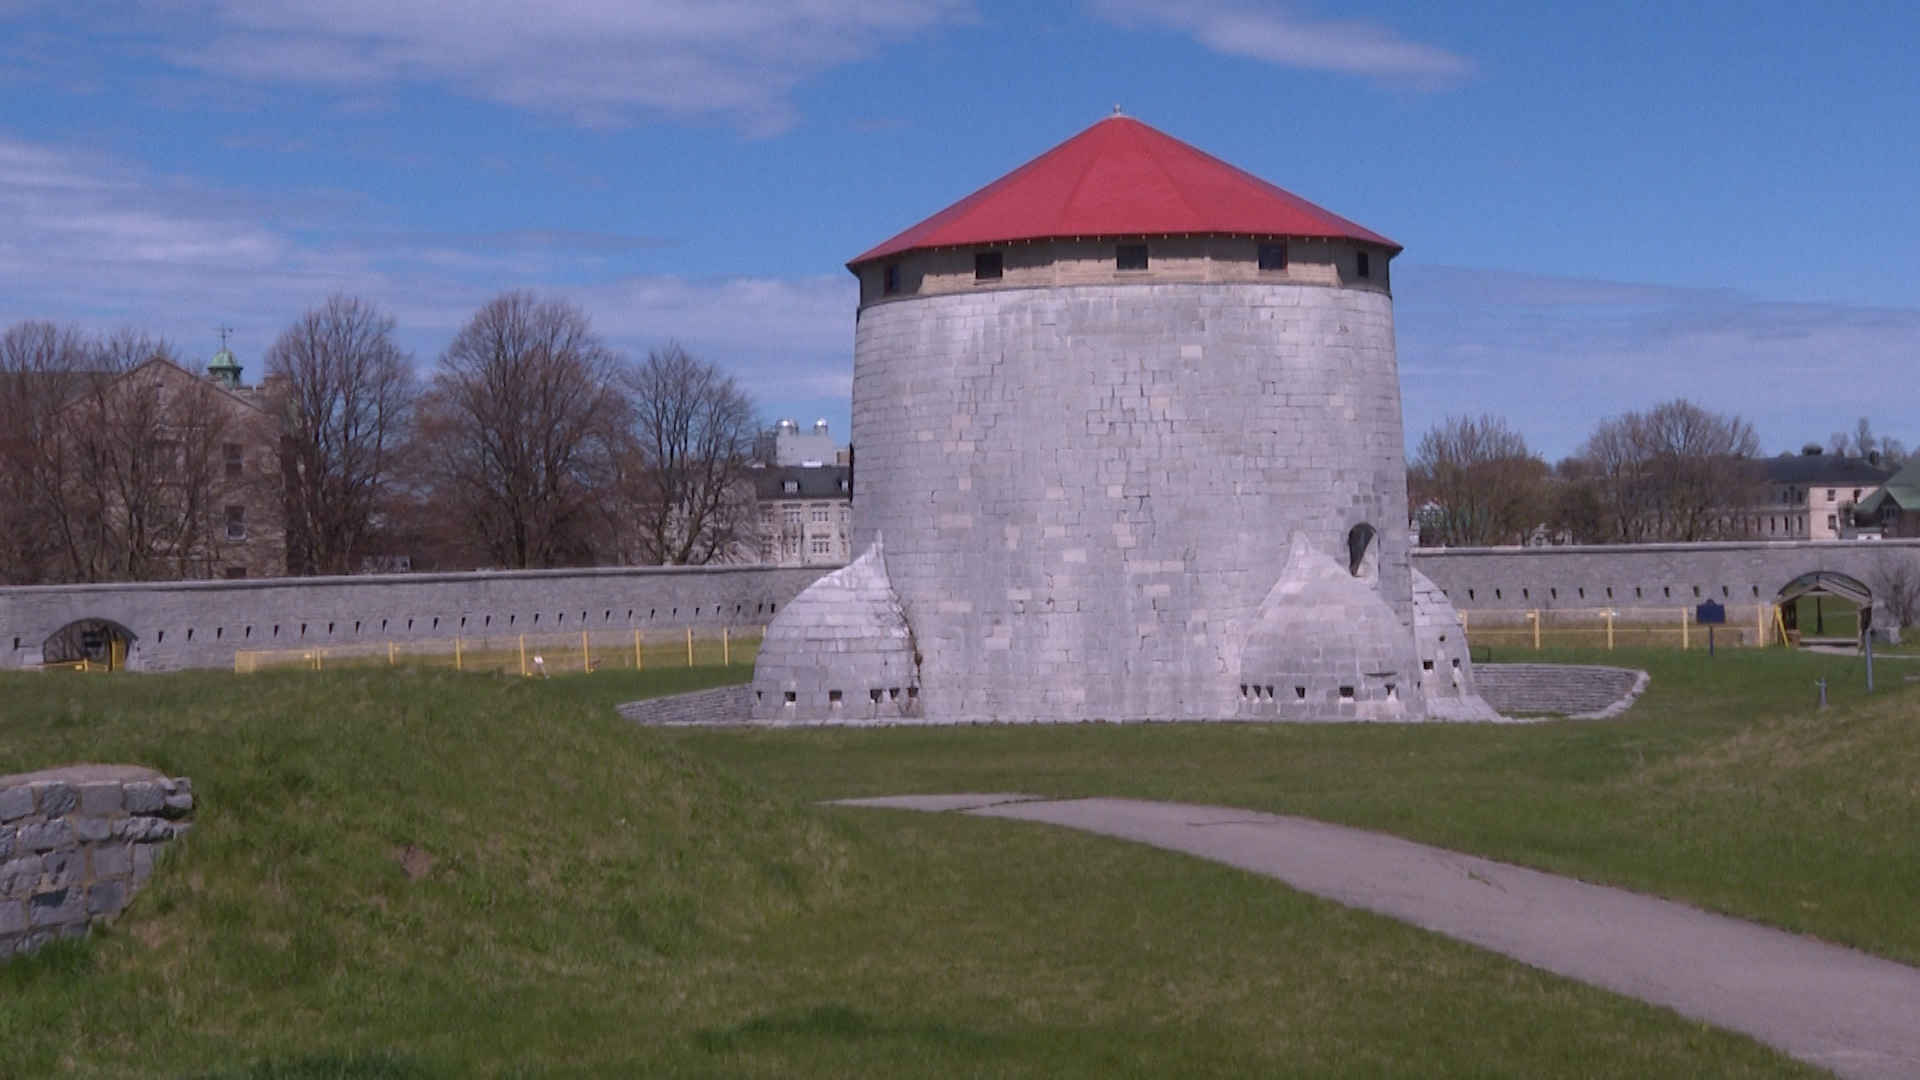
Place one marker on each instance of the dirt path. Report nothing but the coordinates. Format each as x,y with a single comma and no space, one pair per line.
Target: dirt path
1833,1007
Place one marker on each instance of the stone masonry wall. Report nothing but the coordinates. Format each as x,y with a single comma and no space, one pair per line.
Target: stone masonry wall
1086,491
1644,581
201,624
76,843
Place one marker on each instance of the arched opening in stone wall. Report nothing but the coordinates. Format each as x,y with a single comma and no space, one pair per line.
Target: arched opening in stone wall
1825,604
1361,557
92,643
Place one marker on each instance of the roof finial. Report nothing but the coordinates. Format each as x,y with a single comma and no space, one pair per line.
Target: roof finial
224,331
1117,112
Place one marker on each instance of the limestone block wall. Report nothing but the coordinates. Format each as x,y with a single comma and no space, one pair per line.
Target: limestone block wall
1087,491
1643,580
201,624
841,652
76,843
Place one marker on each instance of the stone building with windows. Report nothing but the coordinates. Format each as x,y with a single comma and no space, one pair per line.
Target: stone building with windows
806,514
194,490
1811,495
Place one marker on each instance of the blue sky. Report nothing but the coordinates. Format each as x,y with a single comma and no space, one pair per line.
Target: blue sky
1603,205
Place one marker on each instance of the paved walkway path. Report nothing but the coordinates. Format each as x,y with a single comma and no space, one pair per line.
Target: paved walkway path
1842,1010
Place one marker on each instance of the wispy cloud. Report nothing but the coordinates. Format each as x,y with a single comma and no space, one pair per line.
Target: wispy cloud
1554,355
92,240
1279,34
601,62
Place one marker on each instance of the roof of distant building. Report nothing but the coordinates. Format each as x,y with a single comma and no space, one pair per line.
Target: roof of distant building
1814,469
1123,178
1903,488
810,482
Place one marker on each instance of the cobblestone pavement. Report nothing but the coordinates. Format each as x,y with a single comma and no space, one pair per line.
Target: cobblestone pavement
1833,1007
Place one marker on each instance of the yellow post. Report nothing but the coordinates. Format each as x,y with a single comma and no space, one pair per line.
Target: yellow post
456,654
1683,629
586,656
389,654
523,656
726,653
316,659
636,650
1779,623
1760,625
689,646
1535,616
1609,629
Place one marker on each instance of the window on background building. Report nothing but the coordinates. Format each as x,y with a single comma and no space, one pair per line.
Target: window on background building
823,547
1833,522
235,462
1832,495
890,279
236,523
1273,256
790,487
822,515
792,516
987,266
1362,265
1130,257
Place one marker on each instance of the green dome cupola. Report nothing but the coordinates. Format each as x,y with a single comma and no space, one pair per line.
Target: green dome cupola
225,368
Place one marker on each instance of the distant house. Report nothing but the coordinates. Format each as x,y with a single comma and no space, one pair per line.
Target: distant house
166,474
1811,495
806,514
1893,508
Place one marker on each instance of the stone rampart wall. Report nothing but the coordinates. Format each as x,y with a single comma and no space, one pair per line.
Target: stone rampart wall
201,624
1650,581
75,844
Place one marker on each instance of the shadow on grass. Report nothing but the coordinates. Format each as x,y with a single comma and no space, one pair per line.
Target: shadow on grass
67,959
839,1023
333,1067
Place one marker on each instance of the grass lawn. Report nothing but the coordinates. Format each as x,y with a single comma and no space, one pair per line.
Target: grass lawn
607,900
1724,786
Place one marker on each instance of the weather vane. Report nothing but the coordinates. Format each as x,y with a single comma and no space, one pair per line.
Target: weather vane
224,331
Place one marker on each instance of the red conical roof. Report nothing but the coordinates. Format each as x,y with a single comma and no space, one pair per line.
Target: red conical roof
1123,178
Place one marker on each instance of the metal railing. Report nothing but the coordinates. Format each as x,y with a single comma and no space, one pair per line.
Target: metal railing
530,655
1608,628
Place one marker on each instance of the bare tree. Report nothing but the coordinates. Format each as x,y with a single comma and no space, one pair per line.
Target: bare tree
347,394
684,475
519,425
39,365
1862,442
1479,482
1675,472
1896,589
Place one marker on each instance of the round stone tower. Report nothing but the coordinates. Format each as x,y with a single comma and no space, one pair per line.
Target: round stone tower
1097,406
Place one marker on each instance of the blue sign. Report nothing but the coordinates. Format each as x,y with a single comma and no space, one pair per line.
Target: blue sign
1710,614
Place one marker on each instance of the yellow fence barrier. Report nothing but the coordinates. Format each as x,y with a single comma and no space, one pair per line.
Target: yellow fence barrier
531,655
1603,628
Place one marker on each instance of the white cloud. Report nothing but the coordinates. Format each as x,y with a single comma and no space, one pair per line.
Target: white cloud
598,61
1275,34
92,241
1555,355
